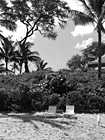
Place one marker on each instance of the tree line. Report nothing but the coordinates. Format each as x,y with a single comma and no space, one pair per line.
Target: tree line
36,16
41,16
88,54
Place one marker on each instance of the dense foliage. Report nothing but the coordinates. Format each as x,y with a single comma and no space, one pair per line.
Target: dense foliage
37,90
88,54
42,16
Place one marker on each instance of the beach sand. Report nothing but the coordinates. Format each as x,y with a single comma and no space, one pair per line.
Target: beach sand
33,127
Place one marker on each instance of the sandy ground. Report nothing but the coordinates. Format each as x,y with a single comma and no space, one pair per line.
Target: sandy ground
32,127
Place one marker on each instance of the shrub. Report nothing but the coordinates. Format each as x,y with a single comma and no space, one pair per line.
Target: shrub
54,99
62,104
45,102
75,98
36,105
3,100
97,104
35,92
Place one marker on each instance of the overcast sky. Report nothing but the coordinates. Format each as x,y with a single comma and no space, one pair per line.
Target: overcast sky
68,42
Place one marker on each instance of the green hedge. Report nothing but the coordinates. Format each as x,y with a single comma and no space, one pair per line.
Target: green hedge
35,92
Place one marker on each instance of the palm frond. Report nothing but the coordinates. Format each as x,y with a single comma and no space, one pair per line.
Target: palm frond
29,53
41,65
87,8
33,58
29,44
80,18
5,40
96,6
44,65
48,69
2,53
102,16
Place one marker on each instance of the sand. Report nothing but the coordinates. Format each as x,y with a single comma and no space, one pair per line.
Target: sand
33,127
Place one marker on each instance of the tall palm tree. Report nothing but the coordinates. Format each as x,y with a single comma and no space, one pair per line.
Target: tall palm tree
7,52
94,12
24,55
7,20
41,65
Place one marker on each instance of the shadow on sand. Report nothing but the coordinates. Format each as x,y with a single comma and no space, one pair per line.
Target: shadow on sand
30,118
102,126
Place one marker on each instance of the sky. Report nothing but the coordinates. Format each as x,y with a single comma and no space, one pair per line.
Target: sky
69,42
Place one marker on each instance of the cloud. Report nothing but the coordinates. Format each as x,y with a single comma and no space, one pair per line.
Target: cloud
82,30
84,44
79,30
75,5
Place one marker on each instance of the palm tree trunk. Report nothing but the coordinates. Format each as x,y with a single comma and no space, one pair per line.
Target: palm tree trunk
21,68
99,54
6,67
26,67
14,69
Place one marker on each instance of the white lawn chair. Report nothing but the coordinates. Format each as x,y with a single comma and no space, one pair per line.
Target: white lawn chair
69,112
51,111
69,109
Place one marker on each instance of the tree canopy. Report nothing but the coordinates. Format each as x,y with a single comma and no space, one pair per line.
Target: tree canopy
90,53
76,63
94,11
41,16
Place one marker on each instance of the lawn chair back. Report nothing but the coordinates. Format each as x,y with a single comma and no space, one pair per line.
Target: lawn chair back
52,109
70,109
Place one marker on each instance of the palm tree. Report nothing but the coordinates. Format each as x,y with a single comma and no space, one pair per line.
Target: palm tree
7,20
25,54
7,52
41,65
15,66
94,12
